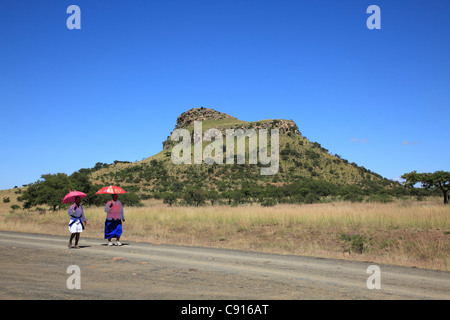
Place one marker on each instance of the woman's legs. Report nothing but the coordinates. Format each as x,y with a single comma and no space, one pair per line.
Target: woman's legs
75,235
72,235
77,238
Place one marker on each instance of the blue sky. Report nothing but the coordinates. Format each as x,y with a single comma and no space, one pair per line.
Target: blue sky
113,89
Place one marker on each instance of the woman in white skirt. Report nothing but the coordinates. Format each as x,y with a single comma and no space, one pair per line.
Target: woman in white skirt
77,218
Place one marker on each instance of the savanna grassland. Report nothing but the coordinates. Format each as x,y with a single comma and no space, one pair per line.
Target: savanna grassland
404,232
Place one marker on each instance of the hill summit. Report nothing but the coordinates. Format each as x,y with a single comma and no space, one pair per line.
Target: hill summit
214,119
200,114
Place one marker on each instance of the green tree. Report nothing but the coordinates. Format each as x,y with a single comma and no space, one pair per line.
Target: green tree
14,207
238,197
437,179
130,199
194,196
49,190
169,198
80,181
268,202
212,196
228,195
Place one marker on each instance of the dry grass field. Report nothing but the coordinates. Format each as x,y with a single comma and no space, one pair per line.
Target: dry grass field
404,232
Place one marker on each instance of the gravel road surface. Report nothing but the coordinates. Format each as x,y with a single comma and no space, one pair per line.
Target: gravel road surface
34,267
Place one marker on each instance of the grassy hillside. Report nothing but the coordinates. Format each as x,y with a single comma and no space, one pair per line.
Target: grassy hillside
299,159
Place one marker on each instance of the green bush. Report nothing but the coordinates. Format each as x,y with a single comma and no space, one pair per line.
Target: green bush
353,197
383,198
357,243
312,198
269,202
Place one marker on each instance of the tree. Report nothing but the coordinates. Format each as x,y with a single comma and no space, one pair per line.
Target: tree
130,199
269,202
80,181
169,198
437,179
228,195
194,196
237,196
50,190
212,196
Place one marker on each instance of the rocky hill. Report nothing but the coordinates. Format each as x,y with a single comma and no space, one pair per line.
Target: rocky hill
300,159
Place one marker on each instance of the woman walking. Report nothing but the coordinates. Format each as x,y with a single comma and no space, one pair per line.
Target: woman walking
77,218
114,218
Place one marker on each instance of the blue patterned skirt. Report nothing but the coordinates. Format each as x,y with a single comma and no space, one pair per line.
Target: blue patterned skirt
113,228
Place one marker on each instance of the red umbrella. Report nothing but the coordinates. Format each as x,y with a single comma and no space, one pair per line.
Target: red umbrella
70,197
111,190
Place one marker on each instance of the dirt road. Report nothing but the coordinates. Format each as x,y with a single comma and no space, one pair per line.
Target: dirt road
35,267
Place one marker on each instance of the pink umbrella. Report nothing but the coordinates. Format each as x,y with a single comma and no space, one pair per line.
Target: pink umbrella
70,197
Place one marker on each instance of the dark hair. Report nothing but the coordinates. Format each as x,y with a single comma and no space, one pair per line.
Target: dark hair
77,197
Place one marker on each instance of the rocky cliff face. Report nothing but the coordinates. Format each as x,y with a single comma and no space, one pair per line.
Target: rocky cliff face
200,114
204,114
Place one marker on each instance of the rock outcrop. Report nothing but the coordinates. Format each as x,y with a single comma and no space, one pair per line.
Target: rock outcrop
204,114
200,114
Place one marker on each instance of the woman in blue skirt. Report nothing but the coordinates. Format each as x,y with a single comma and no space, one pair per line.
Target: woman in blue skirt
114,218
